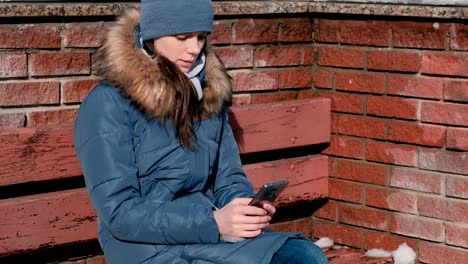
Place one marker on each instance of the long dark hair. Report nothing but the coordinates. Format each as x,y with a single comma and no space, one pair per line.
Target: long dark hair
187,106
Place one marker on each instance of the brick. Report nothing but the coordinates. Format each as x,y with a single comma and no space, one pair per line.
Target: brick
277,56
416,226
391,153
423,87
74,91
457,138
416,133
295,78
241,99
84,35
222,32
295,30
363,217
12,120
445,64
12,65
392,107
457,187
345,191
326,30
457,235
417,180
436,253
445,113
362,172
338,56
456,91
254,80
236,57
362,126
256,31
264,98
332,164
424,35
340,234
442,160
29,93
334,123
459,37
306,94
345,147
59,63
391,200
360,82
444,208
328,211
385,241
392,60
307,56
96,260
323,78
370,33
21,36
345,102
52,118
301,225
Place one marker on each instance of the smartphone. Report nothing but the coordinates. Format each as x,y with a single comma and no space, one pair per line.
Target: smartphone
268,193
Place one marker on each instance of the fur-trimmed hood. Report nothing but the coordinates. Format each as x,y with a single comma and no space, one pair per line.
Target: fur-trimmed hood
121,63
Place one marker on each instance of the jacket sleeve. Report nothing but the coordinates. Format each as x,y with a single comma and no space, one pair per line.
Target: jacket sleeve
231,181
103,140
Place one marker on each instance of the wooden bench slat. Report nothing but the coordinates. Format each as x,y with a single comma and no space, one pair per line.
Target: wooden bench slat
49,219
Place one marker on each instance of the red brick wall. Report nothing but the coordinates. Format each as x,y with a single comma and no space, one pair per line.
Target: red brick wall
399,90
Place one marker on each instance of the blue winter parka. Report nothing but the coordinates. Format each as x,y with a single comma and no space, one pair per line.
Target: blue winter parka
154,198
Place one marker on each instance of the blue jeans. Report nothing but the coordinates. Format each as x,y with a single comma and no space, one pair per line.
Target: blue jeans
299,251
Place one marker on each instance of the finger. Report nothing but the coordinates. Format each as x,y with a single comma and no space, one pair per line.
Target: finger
253,227
251,210
241,201
249,233
247,219
269,208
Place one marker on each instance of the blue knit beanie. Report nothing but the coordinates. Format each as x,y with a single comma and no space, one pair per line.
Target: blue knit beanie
161,18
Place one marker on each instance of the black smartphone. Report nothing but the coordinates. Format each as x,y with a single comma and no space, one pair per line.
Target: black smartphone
268,193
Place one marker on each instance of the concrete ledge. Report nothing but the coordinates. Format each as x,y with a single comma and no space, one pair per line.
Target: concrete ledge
228,8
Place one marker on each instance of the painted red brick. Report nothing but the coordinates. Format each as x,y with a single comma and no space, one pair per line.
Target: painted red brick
339,56
458,37
12,120
445,113
457,187
393,60
362,126
391,153
52,118
29,93
345,191
424,87
264,98
328,211
425,35
241,99
295,78
457,138
392,107
296,30
457,235
416,133
340,234
96,260
12,65
334,123
446,209
445,64
362,171
254,80
83,35
360,82
326,30
456,91
416,226
323,78
59,63
435,253
21,36
442,160
277,56
222,32
369,33
345,147
74,91
364,217
306,94
391,200
385,241
332,164
307,55
345,102
256,31
236,57
414,179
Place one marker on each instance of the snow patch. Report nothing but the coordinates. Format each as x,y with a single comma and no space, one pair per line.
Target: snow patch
324,242
404,255
378,253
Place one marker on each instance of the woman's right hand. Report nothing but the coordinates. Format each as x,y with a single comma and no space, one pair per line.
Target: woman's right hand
240,219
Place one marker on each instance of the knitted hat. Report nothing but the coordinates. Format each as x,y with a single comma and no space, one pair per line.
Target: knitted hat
161,18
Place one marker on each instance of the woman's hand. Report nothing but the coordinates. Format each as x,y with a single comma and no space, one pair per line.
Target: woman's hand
271,209
239,219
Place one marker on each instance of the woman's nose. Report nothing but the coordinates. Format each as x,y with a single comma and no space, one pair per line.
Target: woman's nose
194,45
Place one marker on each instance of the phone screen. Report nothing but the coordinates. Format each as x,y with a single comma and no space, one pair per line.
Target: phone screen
268,193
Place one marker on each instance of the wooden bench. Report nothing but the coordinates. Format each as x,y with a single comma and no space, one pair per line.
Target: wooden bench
44,205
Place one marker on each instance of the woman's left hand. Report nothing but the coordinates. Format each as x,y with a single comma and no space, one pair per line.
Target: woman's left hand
271,210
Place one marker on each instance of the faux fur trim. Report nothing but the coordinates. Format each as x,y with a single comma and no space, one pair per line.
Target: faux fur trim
120,62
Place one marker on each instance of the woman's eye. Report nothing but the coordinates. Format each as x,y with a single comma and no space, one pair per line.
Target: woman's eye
181,37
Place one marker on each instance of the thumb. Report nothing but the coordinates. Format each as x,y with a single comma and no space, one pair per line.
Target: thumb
241,201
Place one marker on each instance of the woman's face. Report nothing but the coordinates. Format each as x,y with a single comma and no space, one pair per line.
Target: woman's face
181,49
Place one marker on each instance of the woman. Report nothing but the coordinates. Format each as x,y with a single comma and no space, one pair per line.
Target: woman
158,155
